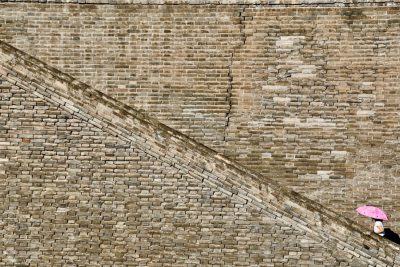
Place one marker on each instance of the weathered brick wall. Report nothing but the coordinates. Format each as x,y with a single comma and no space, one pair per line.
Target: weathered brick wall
87,181
269,3
308,95
316,103
168,60
73,195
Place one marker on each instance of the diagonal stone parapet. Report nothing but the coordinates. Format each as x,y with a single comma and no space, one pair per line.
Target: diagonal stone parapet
226,180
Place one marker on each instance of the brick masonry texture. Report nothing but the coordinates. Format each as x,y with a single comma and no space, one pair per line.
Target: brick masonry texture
307,96
272,3
315,103
88,181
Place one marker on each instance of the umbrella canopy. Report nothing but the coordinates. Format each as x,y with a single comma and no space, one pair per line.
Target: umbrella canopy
372,212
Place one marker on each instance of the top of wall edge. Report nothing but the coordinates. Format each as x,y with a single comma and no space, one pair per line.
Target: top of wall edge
272,3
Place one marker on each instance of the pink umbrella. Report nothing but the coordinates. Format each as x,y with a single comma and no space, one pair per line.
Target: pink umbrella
372,212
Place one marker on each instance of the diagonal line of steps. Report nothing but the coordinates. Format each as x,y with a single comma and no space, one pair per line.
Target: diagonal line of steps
209,167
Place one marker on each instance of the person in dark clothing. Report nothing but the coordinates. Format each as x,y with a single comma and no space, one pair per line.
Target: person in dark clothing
392,236
378,228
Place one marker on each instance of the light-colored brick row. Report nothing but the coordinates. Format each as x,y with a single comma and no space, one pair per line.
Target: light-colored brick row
274,3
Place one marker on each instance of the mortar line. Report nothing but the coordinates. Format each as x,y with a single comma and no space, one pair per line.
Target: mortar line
333,4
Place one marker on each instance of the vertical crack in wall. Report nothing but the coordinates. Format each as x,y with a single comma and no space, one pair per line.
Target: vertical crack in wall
229,96
229,90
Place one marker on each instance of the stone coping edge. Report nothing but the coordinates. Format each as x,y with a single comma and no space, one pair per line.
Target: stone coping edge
267,3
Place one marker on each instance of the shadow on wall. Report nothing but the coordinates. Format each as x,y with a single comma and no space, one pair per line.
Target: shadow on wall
392,236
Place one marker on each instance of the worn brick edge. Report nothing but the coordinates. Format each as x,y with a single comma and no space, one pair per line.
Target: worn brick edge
244,185
271,3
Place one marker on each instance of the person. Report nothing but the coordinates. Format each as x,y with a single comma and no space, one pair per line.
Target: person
392,236
377,227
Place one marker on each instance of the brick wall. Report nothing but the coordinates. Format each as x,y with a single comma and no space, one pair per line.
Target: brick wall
307,96
315,103
84,186
170,61
268,3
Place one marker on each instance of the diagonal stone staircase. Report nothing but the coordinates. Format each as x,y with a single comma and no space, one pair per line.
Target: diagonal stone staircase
89,181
